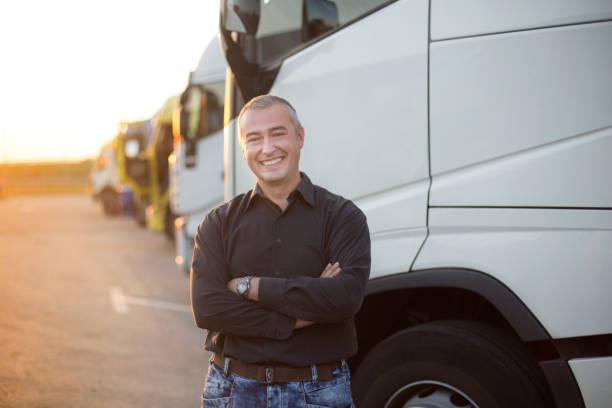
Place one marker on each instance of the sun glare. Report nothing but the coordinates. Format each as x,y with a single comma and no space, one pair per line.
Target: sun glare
72,70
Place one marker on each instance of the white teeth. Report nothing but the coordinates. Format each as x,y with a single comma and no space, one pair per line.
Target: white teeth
271,162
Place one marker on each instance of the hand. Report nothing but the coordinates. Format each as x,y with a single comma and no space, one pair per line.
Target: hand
331,270
233,285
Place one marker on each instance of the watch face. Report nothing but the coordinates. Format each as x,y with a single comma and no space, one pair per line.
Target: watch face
242,287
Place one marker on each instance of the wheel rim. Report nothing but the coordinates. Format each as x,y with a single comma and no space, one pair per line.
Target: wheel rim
429,394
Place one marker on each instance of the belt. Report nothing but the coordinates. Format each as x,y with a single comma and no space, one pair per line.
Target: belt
277,374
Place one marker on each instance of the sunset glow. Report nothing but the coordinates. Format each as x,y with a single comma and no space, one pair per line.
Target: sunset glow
72,70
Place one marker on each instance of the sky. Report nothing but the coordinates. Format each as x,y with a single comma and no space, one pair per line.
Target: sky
71,70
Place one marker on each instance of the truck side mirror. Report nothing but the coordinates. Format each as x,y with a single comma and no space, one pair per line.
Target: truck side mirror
203,115
241,16
183,119
319,16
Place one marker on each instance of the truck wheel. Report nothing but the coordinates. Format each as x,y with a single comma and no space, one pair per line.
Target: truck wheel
110,202
449,364
140,213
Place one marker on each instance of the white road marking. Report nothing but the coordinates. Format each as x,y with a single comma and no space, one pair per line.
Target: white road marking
120,302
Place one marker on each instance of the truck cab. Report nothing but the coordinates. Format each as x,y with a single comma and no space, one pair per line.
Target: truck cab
159,216
104,179
476,139
144,149
197,175
133,140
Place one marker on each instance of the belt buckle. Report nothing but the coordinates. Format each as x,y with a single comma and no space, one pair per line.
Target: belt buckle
269,375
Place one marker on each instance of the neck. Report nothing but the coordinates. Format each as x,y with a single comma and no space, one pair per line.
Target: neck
278,193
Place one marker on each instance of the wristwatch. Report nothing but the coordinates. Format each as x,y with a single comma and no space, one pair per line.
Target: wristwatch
243,286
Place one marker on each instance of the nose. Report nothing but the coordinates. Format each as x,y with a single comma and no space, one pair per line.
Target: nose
268,145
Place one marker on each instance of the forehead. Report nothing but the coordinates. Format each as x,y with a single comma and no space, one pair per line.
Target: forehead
264,118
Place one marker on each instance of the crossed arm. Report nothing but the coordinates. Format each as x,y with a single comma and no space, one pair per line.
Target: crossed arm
277,306
330,271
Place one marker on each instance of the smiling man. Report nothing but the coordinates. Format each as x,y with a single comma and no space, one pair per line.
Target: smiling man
278,275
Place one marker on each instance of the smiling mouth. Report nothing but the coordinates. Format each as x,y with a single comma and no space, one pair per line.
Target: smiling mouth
271,162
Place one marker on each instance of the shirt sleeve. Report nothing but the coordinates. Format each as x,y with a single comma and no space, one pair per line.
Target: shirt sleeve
327,300
214,306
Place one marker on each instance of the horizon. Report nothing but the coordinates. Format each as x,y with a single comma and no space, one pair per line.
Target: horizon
58,161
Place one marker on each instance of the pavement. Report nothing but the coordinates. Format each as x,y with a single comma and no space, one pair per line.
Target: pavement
93,311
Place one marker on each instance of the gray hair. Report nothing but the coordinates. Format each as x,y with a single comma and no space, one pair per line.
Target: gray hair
265,101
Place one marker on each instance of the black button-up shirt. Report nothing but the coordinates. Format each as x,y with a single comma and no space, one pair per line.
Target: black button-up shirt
289,250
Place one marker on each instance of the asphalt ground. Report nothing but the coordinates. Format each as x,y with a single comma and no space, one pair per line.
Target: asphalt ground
93,311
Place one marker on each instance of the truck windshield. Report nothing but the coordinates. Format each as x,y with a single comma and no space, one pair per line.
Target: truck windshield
279,31
285,25
202,110
215,97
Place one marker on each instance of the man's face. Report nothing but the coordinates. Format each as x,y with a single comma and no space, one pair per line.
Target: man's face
271,145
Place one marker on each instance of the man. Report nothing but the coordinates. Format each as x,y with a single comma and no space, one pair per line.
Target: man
278,274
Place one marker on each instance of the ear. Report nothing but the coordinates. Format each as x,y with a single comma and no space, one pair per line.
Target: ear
301,133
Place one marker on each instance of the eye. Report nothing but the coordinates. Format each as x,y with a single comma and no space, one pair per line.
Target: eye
253,139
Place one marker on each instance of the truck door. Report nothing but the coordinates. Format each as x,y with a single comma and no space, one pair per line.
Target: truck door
356,72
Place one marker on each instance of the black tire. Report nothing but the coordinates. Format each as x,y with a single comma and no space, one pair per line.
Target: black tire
449,364
110,202
140,213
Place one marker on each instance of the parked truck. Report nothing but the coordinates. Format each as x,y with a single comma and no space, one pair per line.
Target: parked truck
104,179
197,163
476,137
133,139
143,151
159,216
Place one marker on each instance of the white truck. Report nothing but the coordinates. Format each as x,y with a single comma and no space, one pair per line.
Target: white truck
104,179
476,136
196,166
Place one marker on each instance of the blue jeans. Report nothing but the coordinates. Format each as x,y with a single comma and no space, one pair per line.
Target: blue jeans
230,390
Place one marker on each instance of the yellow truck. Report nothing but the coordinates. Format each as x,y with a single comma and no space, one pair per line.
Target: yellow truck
143,149
159,216
133,166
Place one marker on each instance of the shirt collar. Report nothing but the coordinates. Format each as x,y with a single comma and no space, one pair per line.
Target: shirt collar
305,189
256,191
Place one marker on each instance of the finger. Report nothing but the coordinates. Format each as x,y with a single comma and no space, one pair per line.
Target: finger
335,272
326,271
